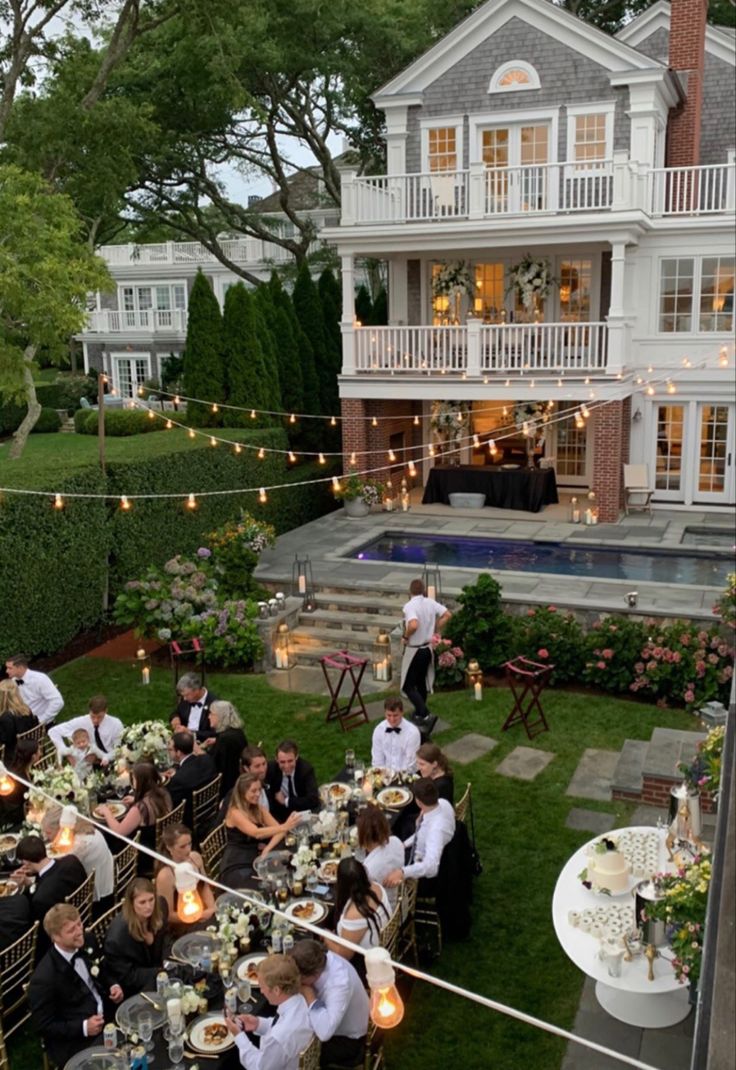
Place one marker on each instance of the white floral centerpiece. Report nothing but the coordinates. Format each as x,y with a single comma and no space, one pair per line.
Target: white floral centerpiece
326,824
232,930
192,997
302,860
63,784
454,279
450,424
531,280
532,417
145,741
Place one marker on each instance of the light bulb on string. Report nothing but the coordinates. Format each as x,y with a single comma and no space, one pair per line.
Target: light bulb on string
353,458
124,504
58,501
650,369
7,784
189,906
191,502
261,453
191,433
333,421
412,469
321,458
650,391
63,841
262,496
238,448
525,429
335,483
492,446
391,456
671,388
215,408
151,414
169,425
431,450
476,441
213,440
292,419
292,457
252,414
584,411
386,1005
374,422
507,383
416,421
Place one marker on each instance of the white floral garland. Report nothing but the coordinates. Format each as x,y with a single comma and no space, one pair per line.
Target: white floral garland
531,280
453,279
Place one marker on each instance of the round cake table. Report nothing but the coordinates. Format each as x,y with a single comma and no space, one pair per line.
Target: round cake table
631,997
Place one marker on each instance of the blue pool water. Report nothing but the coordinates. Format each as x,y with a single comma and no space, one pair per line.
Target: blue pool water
637,566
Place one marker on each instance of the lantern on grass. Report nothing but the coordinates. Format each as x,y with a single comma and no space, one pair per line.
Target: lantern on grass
143,664
64,839
281,646
7,784
474,679
386,1006
189,903
302,582
432,581
381,660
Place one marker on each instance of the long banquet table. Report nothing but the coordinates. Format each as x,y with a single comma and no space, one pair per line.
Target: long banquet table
519,488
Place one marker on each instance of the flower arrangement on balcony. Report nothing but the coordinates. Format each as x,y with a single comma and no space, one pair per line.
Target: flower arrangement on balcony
454,279
531,281
531,417
450,422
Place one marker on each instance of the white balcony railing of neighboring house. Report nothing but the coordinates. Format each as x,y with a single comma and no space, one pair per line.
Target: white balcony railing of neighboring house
481,192
480,349
148,321
239,251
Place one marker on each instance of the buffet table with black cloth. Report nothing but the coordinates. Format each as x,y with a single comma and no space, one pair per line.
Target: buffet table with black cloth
518,488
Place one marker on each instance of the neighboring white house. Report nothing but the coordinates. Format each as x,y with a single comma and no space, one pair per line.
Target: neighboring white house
526,130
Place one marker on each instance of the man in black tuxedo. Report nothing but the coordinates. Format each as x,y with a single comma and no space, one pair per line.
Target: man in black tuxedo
68,993
193,711
290,782
55,878
15,919
194,771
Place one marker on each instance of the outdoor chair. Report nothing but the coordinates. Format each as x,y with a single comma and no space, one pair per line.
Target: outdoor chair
125,865
407,932
37,734
97,931
444,195
82,899
310,1057
4,1063
461,807
212,848
176,817
16,966
391,932
636,488
205,801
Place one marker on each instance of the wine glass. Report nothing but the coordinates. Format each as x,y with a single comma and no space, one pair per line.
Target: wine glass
349,760
312,880
226,972
145,1028
244,995
176,1048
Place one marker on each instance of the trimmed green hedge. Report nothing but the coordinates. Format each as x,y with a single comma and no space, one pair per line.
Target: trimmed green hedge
61,557
12,414
119,423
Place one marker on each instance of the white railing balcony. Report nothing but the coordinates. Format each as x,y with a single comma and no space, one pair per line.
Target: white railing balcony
239,251
688,191
480,349
149,321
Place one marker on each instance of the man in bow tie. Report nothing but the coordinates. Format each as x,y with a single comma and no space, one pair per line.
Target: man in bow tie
68,994
193,711
395,740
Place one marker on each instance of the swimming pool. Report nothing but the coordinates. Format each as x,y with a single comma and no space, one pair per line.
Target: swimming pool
560,559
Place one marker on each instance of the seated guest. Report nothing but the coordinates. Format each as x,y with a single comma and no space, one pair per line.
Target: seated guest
134,944
149,802
227,744
177,845
193,711
15,717
362,908
68,1004
103,729
338,1003
395,740
285,1035
193,772
251,832
291,783
83,756
384,852
432,763
15,919
38,690
55,878
434,829
252,760
91,850
12,806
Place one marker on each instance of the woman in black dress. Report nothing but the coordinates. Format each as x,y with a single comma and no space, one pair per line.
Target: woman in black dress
149,802
12,807
251,832
227,744
432,763
15,717
134,944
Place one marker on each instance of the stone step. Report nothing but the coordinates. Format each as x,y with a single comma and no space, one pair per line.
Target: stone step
371,602
350,621
628,775
666,748
303,654
332,639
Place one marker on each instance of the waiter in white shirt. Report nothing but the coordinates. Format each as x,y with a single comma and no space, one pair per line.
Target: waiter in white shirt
37,690
395,740
435,828
423,618
284,1036
337,1001
103,729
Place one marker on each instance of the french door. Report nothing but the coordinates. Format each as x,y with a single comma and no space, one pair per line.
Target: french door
517,178
714,461
130,373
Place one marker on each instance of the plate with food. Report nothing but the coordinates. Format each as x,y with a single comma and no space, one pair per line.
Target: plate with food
394,798
246,969
336,792
8,842
209,1035
306,910
117,809
328,871
8,888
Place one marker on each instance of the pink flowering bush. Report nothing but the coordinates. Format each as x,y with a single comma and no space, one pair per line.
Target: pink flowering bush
550,637
725,607
449,662
612,648
690,672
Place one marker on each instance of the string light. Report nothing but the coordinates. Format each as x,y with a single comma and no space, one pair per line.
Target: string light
335,483
292,457
169,425
124,504
191,502
492,446
431,450
237,448
650,391
386,1005
321,458
215,407
391,456
252,414
584,411
412,469
333,422
476,441
192,433
189,906
213,440
262,496
671,388
416,421
7,784
353,460
261,453
525,429
58,501
151,414
374,422
292,419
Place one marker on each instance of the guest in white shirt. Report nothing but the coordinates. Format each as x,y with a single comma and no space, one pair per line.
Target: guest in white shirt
90,847
384,852
423,618
103,729
434,829
286,1035
395,740
338,1003
37,690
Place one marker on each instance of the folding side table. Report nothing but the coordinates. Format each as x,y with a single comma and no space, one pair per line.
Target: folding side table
352,713
527,679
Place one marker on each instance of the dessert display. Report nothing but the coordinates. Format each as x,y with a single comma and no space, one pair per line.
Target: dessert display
607,870
641,851
612,921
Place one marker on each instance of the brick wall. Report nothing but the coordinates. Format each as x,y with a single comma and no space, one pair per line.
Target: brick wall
656,792
686,48
354,435
608,458
359,434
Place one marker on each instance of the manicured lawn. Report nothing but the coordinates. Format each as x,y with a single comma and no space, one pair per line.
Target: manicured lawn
512,955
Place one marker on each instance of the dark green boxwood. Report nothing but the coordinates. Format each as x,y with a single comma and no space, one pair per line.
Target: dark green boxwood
48,422
66,392
119,423
11,415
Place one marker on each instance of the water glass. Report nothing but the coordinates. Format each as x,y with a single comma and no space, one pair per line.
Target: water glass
312,881
176,1049
145,1028
226,972
244,995
349,760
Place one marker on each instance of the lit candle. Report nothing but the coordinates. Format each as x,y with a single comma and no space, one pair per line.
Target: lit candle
302,585
478,690
173,1011
140,653
145,675
431,591
576,516
588,516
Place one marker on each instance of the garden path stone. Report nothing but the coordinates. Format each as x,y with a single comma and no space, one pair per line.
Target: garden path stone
590,820
469,747
594,774
524,763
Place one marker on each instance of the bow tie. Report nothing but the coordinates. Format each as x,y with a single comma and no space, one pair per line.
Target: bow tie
194,705
20,683
397,730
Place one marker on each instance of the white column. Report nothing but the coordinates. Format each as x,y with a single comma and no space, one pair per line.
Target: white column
85,357
476,191
622,184
347,265
398,292
396,138
348,348
731,181
616,320
347,198
473,330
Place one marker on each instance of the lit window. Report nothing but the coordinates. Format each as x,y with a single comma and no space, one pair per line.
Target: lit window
590,138
716,293
676,295
442,148
513,76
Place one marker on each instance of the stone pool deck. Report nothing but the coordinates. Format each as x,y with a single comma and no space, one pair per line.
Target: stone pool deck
330,538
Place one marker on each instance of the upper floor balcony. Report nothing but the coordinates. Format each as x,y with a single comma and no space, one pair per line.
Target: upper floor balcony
239,251
139,321
552,189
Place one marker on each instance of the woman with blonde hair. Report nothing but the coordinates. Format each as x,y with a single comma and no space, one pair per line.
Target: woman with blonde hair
15,716
177,845
134,944
227,744
251,831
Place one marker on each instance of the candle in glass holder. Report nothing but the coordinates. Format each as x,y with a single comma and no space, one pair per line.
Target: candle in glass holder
478,690
173,1011
317,850
297,888
145,675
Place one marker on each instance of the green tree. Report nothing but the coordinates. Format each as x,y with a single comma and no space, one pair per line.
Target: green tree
284,329
379,311
46,272
311,339
331,298
264,317
204,372
363,305
242,354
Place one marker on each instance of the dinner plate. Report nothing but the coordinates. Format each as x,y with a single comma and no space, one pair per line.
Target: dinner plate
394,798
318,912
336,791
95,1059
129,1012
117,809
328,871
196,1033
8,888
192,947
8,842
231,899
241,967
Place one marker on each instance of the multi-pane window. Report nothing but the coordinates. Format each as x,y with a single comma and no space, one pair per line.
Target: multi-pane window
716,293
572,443
676,294
713,439
442,148
575,291
496,148
489,292
589,142
163,298
534,144
670,421
514,77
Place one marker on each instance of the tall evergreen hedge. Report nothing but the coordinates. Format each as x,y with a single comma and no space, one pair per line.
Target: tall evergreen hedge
284,331
245,366
204,372
311,341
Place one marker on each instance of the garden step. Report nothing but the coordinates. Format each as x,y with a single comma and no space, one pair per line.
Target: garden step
350,621
628,775
665,750
370,602
332,639
302,654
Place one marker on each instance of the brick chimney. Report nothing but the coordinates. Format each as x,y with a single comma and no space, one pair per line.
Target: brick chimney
687,56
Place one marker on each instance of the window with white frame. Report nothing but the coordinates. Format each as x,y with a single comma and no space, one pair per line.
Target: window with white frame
162,298
668,463
513,76
442,154
716,293
677,276
575,290
589,134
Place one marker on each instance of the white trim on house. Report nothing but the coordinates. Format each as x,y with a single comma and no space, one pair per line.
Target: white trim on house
528,117
603,107
495,86
116,357
718,41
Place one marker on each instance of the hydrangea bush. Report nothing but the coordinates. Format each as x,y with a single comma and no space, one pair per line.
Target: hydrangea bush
550,637
449,662
159,605
229,633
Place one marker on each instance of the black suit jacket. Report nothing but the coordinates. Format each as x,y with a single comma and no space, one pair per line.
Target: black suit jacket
15,919
196,771
225,752
183,709
64,877
61,1002
306,790
130,963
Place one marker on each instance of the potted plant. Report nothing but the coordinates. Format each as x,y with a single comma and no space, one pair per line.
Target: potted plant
358,495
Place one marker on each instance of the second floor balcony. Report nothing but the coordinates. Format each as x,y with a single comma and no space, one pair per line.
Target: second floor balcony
139,321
